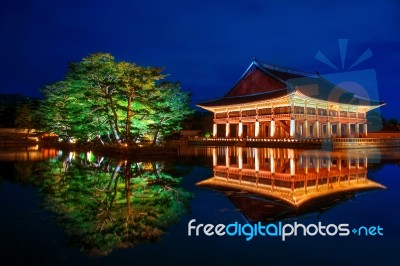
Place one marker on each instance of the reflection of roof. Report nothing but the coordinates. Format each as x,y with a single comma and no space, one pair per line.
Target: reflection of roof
264,209
264,82
296,198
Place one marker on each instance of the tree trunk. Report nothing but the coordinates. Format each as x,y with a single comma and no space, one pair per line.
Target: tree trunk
101,141
155,137
27,134
115,174
128,121
128,196
155,170
115,133
114,193
115,114
113,122
157,131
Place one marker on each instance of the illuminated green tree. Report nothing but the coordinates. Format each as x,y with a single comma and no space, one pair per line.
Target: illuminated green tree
170,108
135,87
55,109
68,115
102,98
96,77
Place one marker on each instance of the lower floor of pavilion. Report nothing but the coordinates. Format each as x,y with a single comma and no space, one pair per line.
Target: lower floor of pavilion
290,129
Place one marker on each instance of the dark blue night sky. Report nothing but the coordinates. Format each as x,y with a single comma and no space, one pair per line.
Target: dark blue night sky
206,45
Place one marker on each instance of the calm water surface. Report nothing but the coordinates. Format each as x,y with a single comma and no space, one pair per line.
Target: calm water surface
63,208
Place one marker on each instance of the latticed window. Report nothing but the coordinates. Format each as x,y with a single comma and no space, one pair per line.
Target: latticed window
322,111
282,110
298,110
352,114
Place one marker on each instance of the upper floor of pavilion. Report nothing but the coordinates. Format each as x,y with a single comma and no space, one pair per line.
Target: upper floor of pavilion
264,86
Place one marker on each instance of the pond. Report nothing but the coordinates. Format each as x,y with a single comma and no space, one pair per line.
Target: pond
209,205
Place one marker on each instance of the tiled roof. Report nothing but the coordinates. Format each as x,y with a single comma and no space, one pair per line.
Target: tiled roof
264,82
244,99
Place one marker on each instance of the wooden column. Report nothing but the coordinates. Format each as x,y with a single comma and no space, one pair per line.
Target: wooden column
292,167
271,161
215,133
227,127
240,130
365,129
305,129
300,130
256,160
317,164
227,161
256,129
214,153
272,129
328,129
240,157
292,162
307,161
292,128
357,130
317,129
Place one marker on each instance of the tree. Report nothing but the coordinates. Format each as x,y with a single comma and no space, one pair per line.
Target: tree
134,88
170,107
67,114
97,76
25,118
100,96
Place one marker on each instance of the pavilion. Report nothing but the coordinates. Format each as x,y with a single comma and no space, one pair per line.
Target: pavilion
273,102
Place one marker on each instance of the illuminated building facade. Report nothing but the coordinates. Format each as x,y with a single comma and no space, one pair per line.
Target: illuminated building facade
290,175
272,102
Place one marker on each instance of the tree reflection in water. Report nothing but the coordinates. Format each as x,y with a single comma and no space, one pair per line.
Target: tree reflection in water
105,204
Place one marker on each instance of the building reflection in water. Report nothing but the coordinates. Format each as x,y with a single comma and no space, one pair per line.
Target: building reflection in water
271,184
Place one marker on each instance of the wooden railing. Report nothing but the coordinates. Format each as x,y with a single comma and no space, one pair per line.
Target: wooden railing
333,118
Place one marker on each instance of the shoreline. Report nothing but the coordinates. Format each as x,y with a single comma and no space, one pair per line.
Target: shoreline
107,150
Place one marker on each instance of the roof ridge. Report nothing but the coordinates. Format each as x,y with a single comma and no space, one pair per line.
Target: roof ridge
285,70
254,94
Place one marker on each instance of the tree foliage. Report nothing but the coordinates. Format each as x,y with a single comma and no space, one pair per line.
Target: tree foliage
26,117
115,101
105,204
170,108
